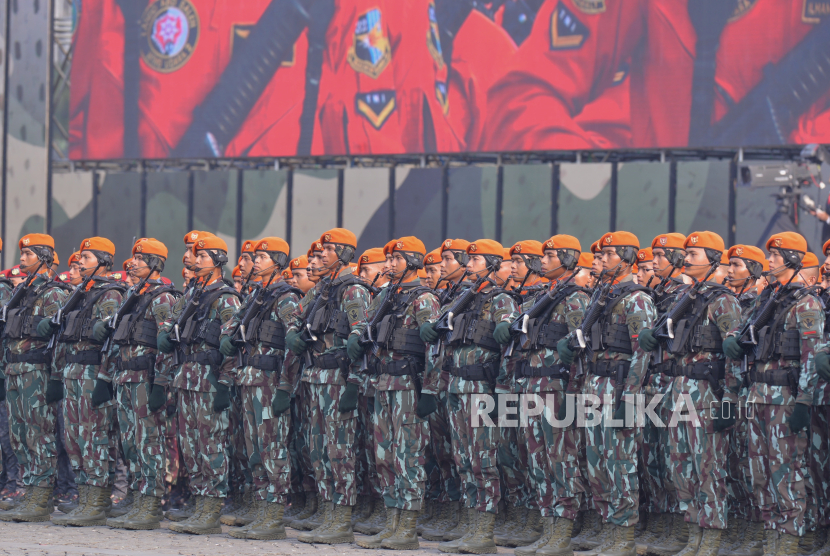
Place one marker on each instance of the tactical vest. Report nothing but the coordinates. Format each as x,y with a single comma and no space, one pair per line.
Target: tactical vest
614,337
470,329
20,323
664,300
541,332
199,328
391,334
692,337
325,314
137,329
262,329
79,323
775,343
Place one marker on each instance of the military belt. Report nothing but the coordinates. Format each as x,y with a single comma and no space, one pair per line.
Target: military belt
87,357
209,357
524,370
608,368
775,377
401,367
268,363
142,363
332,360
667,368
476,371
33,357
704,370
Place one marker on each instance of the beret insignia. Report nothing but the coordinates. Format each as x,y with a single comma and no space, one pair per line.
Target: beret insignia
448,244
25,241
320,245
642,256
247,245
138,248
739,251
296,263
693,240
518,248
549,244
201,243
87,244
778,242
117,275
429,259
327,237
609,238
15,271
63,277
473,247
399,245
664,240
364,259
264,245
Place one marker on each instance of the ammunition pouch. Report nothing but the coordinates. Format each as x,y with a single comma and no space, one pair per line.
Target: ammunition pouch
78,327
478,372
524,370
408,341
401,367
773,346
695,339
337,359
713,371
611,337
777,377
142,363
385,329
210,357
143,333
327,320
33,357
271,334
667,368
87,357
206,330
20,324
609,368
267,363
549,335
470,330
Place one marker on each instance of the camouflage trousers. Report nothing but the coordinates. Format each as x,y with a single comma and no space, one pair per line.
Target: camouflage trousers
172,459
658,486
32,424
142,436
476,455
239,471
301,417
778,465
513,469
742,501
331,437
818,457
554,463
440,439
611,454
87,433
266,441
366,472
202,437
400,444
699,471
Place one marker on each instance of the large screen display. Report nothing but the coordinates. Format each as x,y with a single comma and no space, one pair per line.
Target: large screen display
263,78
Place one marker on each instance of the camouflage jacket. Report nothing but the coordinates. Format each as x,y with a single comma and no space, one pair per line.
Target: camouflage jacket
636,311
806,316
436,379
47,301
569,312
422,309
658,383
354,301
281,310
201,377
6,289
159,310
723,311
104,308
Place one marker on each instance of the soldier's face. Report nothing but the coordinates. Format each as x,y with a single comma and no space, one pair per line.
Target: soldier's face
204,263
448,264
610,260
825,280
74,274
518,268
698,261
552,265
397,264
661,265
737,271
476,265
28,260
328,257
315,264
237,283
777,268
369,271
88,263
246,264
645,271
301,278
596,266
433,275
583,279
188,258
387,265
262,265
505,272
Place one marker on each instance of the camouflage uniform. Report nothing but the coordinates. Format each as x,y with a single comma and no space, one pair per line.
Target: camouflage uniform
440,439
697,450
202,432
81,364
400,436
26,370
331,434
366,472
137,368
536,369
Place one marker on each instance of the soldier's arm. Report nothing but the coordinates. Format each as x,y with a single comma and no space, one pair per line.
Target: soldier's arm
226,307
105,308
504,309
356,304
810,318
162,308
52,301
294,323
639,313
285,308
178,307
725,312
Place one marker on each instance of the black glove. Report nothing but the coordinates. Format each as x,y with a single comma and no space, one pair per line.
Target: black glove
353,347
157,398
732,348
647,340
163,342
222,399
100,332
348,399
295,343
822,361
3,390
281,402
502,333
45,328
227,348
427,405
800,418
428,333
54,391
455,401
170,409
102,393
566,354
724,417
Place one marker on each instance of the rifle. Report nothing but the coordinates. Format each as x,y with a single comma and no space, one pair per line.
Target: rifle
307,335
762,317
188,311
598,302
366,337
239,329
17,295
664,328
444,322
69,306
449,293
126,308
519,326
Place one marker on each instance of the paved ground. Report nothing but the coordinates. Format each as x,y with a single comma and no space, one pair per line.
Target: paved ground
45,539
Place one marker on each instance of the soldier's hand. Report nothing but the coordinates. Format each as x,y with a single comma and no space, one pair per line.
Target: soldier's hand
45,328
427,405
222,398
170,409
281,402
157,398
502,333
724,417
822,361
54,391
428,333
800,418
100,332
566,354
295,343
353,347
732,348
102,392
2,389
227,348
348,399
163,342
647,340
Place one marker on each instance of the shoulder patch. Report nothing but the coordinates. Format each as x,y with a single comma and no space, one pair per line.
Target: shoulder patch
567,32
635,323
809,321
574,319
725,324
590,6
370,52
376,106
108,307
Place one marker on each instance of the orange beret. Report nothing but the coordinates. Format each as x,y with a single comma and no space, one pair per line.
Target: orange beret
670,241
422,274
644,255
809,260
194,235
73,258
527,247
748,252
433,257
824,249
372,256
410,244
339,235
619,239
455,245
387,249
287,274
724,258
1,244
486,247
315,246
236,272
595,248
125,266
586,260
788,240
97,244
272,244
562,241
704,240
248,246
55,259
300,262
211,242
36,240
150,246
506,256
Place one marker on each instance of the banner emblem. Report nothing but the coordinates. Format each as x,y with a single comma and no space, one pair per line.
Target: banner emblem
171,31
371,52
